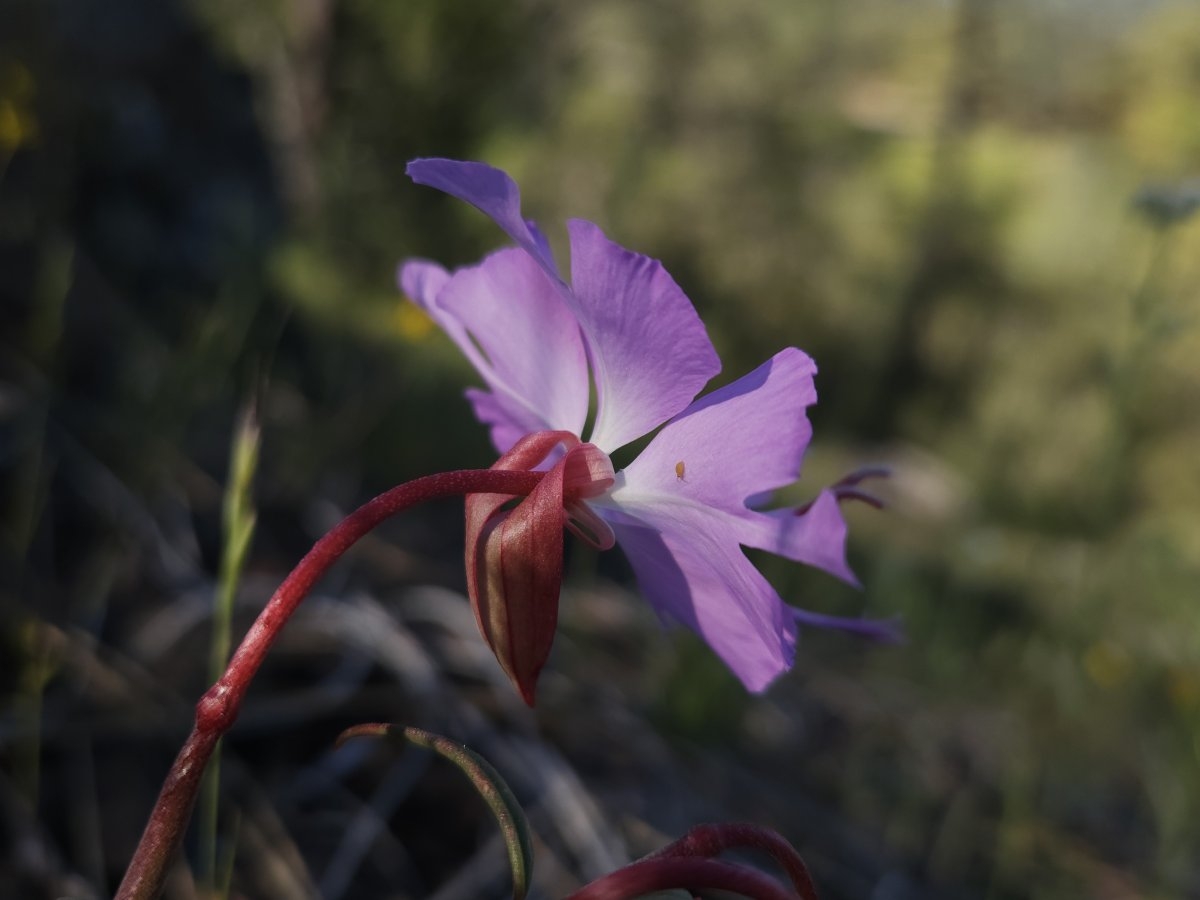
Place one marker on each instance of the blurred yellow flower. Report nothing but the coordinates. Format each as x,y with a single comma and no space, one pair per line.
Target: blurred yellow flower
1183,687
18,126
1107,663
411,322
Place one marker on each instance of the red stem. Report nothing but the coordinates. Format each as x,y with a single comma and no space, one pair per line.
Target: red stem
709,840
666,873
218,708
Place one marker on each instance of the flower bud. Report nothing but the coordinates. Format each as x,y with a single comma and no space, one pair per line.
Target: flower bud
514,556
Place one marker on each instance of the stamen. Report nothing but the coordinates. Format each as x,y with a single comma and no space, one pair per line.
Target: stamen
886,631
860,475
846,488
583,522
850,493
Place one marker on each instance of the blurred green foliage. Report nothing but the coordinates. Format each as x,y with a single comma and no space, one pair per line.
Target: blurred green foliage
976,216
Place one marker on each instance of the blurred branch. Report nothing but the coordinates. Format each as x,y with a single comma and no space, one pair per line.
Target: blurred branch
939,249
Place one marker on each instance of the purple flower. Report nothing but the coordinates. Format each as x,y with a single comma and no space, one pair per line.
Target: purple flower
686,506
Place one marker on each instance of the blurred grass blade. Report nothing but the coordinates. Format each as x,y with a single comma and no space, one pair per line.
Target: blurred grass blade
487,781
238,519
237,527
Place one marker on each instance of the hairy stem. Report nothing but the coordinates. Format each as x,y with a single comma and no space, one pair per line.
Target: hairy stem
218,708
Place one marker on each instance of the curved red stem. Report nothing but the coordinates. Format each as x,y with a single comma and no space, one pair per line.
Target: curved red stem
218,708
691,873
709,840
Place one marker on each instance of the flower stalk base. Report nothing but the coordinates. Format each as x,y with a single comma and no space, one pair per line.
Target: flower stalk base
218,708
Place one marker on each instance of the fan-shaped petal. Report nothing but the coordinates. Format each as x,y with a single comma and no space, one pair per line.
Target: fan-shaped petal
510,321
737,442
693,572
525,341
649,351
493,193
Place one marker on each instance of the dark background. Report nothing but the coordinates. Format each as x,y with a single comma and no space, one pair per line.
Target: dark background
975,215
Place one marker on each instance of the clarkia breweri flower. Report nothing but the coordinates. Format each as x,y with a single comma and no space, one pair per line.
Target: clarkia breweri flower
686,506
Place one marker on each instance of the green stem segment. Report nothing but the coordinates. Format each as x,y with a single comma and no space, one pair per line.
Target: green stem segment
487,781
218,708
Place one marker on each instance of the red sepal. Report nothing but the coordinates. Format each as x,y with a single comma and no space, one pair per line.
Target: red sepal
514,562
